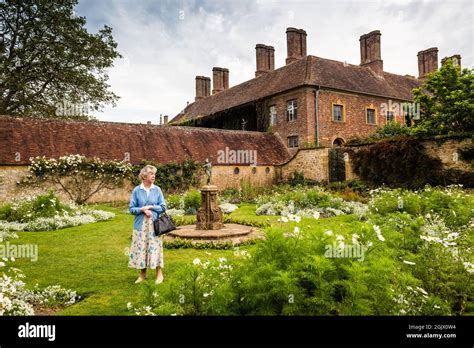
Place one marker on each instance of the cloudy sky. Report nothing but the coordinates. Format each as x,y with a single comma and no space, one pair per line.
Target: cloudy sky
165,44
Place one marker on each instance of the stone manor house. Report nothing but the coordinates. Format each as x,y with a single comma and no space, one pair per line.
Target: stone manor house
289,117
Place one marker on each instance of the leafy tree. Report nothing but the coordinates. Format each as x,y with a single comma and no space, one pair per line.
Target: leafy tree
446,101
48,60
391,129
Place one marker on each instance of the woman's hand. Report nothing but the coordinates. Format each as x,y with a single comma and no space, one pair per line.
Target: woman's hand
146,207
148,213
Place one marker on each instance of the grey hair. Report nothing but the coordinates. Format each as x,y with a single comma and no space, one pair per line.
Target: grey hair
145,170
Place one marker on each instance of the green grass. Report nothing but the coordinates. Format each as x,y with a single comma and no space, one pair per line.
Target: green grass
91,260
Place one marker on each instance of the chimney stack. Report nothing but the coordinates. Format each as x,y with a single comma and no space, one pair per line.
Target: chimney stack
220,79
370,55
427,61
165,119
203,87
265,59
456,59
295,44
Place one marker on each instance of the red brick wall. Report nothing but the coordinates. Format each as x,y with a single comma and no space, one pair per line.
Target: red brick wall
355,124
303,126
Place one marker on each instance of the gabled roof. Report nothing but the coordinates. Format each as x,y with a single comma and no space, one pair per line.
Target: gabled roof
111,140
311,70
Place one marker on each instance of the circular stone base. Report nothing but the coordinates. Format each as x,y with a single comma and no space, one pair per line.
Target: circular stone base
234,233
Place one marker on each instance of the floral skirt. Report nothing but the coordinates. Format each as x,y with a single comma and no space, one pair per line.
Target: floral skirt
146,250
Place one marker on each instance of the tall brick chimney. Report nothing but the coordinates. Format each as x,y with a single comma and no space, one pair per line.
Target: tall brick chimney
455,58
220,79
203,87
427,61
265,59
295,44
370,55
165,119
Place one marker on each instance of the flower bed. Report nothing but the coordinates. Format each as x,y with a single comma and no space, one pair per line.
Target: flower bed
410,255
46,213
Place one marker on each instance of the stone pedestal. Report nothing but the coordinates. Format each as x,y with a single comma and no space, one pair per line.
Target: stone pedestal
209,216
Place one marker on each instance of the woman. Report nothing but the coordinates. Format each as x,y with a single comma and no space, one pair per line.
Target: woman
146,204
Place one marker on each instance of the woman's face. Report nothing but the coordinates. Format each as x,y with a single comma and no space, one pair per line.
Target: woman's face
150,177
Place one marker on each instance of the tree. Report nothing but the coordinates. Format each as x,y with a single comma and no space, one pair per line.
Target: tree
50,66
446,101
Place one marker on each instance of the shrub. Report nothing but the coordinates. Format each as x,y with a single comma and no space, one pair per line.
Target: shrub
32,208
192,201
390,130
175,201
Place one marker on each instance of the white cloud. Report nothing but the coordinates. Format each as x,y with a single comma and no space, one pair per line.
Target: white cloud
165,44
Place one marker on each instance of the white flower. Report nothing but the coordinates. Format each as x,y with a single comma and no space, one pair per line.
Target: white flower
409,262
205,294
316,215
283,219
469,267
296,230
196,261
423,291
222,259
328,233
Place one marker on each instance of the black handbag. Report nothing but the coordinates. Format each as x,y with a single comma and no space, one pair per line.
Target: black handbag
163,224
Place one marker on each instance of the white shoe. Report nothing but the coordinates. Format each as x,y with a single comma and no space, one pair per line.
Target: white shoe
139,280
159,280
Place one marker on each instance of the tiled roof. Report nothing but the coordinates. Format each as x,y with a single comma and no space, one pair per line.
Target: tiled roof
110,140
310,70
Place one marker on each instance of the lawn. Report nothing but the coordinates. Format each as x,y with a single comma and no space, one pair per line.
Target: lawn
91,260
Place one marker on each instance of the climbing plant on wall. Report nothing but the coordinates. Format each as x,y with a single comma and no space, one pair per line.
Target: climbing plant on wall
397,163
172,177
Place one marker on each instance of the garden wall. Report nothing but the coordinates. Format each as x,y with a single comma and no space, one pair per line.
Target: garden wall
222,176
451,152
313,163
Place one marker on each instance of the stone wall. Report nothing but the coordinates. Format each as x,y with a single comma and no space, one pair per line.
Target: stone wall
223,176
445,149
313,163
